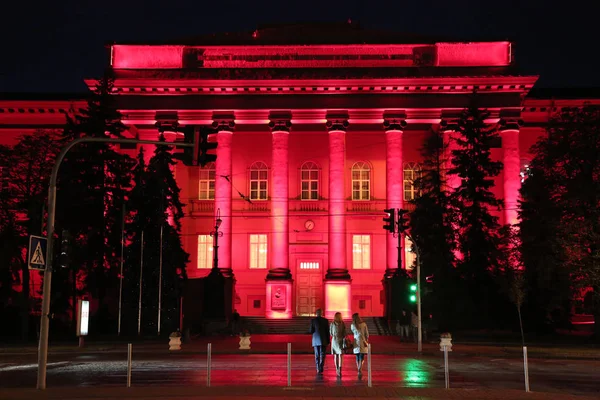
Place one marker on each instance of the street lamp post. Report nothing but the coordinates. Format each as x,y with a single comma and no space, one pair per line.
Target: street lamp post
216,234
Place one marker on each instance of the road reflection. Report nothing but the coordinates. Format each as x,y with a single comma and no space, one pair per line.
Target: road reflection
416,373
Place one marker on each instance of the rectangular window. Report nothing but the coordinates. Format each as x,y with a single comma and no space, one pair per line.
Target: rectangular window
206,182
410,257
258,184
361,185
258,251
361,251
310,184
205,251
411,174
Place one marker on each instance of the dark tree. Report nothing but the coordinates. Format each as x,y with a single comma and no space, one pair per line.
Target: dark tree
431,227
479,234
155,203
566,169
26,175
93,182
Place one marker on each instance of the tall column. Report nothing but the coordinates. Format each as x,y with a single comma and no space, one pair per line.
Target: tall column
223,191
509,132
279,278
394,169
337,280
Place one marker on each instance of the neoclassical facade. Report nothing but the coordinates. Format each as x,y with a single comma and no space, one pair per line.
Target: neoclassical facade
314,142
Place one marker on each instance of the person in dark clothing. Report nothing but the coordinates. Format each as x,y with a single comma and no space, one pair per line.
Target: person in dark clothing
404,326
235,323
319,327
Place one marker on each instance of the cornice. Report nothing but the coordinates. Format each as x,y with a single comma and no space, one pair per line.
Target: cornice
494,84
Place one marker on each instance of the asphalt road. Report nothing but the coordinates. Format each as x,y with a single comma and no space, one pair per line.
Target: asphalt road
172,369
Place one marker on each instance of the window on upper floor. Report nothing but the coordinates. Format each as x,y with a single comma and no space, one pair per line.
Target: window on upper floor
206,182
525,169
412,171
361,251
309,181
205,251
361,181
259,180
258,251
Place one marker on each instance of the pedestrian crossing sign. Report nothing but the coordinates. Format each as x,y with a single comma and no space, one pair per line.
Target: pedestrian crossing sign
37,252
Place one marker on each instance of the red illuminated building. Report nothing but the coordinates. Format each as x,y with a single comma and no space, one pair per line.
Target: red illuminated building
315,141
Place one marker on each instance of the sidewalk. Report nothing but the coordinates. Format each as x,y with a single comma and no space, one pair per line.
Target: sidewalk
251,393
277,344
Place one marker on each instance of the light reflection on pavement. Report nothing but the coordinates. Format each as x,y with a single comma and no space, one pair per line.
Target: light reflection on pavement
172,369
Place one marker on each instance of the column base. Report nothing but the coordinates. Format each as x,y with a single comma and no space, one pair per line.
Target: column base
279,274
279,299
338,274
226,272
338,298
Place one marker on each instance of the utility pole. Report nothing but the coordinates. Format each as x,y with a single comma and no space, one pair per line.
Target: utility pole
45,317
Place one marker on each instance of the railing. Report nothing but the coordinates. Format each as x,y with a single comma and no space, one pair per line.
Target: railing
309,205
316,206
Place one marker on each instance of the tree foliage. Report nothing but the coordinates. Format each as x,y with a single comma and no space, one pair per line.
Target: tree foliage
561,214
93,182
431,227
478,230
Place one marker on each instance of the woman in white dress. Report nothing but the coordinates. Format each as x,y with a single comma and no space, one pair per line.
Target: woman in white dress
337,330
361,340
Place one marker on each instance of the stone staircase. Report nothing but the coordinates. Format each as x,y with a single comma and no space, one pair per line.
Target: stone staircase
301,325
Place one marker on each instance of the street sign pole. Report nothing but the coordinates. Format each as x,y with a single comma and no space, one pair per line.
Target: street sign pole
45,318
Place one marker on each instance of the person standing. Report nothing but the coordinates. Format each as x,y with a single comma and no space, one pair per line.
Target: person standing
320,339
235,323
337,330
361,340
405,326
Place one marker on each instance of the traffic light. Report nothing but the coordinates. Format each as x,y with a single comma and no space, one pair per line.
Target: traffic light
402,220
412,292
390,220
204,146
189,156
65,249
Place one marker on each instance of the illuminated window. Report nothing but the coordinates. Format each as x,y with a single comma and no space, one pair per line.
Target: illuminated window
309,180
258,181
412,172
361,181
410,257
205,251
309,265
361,251
258,251
206,181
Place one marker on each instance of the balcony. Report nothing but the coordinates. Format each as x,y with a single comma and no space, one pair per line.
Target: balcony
308,205
201,206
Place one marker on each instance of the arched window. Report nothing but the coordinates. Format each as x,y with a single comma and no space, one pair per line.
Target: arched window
259,181
206,182
361,181
309,181
412,171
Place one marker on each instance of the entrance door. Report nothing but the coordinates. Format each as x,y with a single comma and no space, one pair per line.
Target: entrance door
309,288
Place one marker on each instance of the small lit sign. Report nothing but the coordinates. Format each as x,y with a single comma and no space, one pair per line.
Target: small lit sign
83,317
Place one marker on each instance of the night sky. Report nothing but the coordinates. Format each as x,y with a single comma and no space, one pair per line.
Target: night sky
51,46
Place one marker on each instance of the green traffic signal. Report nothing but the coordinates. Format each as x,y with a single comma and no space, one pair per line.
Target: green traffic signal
413,298
413,287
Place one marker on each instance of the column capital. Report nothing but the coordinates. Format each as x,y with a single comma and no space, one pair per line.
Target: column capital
449,124
280,125
510,124
394,124
337,124
224,123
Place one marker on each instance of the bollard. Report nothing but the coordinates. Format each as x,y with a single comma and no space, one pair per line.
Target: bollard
369,379
129,365
446,372
289,364
526,367
208,364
